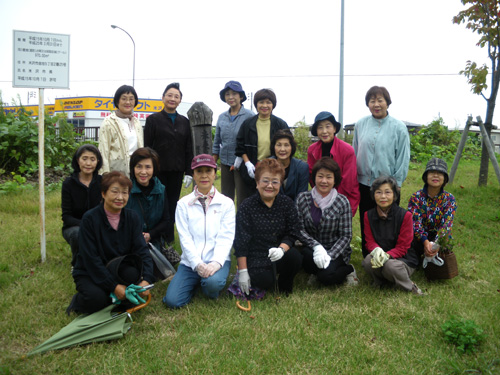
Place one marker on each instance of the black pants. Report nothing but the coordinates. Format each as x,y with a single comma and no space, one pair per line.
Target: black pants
172,180
287,267
335,273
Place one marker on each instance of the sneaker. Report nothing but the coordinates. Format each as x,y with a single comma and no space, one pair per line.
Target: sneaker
416,290
352,278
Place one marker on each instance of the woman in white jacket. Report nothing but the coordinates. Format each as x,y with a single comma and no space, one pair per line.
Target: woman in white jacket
120,133
205,222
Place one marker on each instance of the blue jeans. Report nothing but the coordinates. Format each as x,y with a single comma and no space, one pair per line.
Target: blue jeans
185,281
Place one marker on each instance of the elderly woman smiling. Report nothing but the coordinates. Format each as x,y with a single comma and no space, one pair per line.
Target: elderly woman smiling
326,227
266,228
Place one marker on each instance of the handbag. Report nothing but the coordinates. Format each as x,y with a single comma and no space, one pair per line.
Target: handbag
162,268
172,256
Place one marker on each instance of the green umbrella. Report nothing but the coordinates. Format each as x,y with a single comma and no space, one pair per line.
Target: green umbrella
102,325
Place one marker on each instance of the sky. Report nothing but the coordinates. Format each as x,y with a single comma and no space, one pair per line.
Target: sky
292,47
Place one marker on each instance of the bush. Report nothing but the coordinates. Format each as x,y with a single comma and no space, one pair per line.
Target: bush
465,334
301,135
436,140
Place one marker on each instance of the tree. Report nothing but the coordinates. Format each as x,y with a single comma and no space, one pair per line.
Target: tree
483,17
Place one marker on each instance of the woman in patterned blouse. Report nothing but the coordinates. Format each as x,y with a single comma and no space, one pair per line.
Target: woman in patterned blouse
325,220
266,228
432,208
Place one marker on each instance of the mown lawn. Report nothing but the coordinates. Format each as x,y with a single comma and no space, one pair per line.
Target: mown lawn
337,330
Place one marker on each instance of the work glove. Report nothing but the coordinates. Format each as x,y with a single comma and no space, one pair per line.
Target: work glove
434,259
244,281
379,257
202,270
114,299
187,181
321,257
238,161
132,294
212,268
275,253
250,169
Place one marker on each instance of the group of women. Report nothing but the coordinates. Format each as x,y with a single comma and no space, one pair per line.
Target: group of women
280,226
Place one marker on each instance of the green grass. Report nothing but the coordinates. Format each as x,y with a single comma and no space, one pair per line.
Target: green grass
337,330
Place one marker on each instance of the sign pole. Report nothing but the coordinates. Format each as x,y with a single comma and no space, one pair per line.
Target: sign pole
41,170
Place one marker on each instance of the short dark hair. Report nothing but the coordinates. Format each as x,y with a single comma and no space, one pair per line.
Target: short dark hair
378,90
280,134
80,151
125,89
264,94
110,178
141,154
328,164
378,182
272,166
173,85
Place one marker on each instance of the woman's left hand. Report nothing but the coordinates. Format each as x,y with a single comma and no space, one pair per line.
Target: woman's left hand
147,237
146,292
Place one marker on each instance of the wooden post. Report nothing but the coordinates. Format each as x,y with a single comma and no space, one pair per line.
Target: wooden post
460,149
489,147
41,171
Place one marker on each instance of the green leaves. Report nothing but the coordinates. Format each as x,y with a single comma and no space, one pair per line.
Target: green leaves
476,77
465,334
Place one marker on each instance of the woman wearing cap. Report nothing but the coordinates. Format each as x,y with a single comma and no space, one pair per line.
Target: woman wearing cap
325,127
432,207
205,223
169,134
389,234
120,133
80,192
266,229
224,145
382,147
326,227
254,138
283,148
109,232
147,196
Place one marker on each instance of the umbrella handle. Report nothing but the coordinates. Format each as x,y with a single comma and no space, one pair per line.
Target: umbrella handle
244,308
142,305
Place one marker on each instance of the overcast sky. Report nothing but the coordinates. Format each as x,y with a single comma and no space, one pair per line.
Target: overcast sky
293,47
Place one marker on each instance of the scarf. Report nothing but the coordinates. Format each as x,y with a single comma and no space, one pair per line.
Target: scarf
130,117
205,200
383,214
324,202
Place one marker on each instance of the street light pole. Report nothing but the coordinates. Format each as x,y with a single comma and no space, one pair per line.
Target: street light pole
133,71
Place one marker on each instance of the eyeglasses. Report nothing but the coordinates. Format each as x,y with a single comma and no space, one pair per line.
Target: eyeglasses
275,183
380,193
119,192
126,100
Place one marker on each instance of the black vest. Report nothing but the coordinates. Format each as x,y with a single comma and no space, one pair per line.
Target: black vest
386,232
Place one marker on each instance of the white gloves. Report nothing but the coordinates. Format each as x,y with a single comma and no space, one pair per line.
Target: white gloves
275,253
434,259
238,161
321,257
250,169
187,181
244,280
379,257
206,270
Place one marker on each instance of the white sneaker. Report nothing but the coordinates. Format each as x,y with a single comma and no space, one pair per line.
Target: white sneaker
352,278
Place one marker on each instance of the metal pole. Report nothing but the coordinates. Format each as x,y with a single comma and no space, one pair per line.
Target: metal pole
133,69
41,170
341,75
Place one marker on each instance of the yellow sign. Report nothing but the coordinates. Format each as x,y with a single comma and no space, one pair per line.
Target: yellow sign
49,109
97,103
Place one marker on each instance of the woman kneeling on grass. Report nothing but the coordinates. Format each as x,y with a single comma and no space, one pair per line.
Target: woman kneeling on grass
205,224
326,226
113,253
389,234
266,229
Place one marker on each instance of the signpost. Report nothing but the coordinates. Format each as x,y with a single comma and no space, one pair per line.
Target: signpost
40,60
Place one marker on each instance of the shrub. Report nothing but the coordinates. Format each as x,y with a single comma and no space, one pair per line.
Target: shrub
301,135
465,334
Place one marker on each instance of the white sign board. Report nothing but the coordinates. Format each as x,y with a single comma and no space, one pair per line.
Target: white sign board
41,60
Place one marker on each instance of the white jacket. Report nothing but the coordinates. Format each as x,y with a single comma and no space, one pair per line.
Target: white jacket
113,144
205,238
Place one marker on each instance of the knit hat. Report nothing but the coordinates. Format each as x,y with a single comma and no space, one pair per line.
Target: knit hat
436,164
324,116
203,160
235,86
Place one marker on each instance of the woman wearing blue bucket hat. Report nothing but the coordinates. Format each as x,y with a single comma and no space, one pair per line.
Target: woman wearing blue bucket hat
224,145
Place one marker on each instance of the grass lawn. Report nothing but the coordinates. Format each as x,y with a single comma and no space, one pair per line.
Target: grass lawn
337,330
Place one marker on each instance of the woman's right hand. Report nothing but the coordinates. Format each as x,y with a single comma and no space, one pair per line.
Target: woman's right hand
120,292
244,281
428,249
